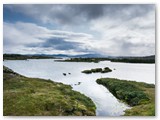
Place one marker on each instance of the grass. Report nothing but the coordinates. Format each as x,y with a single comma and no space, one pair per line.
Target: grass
139,95
23,96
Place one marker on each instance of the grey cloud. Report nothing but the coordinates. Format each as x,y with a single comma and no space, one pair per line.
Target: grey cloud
60,44
134,26
56,43
126,12
78,13
90,11
127,47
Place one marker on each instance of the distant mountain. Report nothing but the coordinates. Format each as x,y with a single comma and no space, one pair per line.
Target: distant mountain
90,56
73,56
60,55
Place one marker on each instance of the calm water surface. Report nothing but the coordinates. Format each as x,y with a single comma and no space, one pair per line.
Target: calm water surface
106,103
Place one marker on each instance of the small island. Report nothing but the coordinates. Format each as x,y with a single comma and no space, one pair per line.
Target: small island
139,95
97,70
25,96
95,60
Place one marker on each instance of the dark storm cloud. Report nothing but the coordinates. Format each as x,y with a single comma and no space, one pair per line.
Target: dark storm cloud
120,11
78,13
60,44
90,11
56,43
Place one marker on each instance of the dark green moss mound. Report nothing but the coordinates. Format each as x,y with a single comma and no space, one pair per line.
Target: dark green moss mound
106,69
97,70
25,96
133,93
87,71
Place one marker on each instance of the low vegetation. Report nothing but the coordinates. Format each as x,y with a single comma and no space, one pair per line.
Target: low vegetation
145,59
24,57
97,70
135,59
23,96
95,60
139,95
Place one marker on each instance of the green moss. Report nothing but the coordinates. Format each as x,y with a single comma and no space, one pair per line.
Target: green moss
139,95
97,70
25,96
87,71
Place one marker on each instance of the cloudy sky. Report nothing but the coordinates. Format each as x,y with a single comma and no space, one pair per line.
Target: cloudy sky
115,30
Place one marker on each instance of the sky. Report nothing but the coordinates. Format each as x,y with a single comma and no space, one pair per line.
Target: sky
74,29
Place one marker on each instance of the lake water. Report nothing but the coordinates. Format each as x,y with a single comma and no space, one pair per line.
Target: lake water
106,103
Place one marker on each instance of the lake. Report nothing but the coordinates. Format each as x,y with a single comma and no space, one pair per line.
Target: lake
106,103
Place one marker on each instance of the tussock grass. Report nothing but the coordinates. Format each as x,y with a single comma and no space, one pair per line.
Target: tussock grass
139,95
23,96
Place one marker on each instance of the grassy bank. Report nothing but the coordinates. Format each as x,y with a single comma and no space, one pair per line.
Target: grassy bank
139,95
23,96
